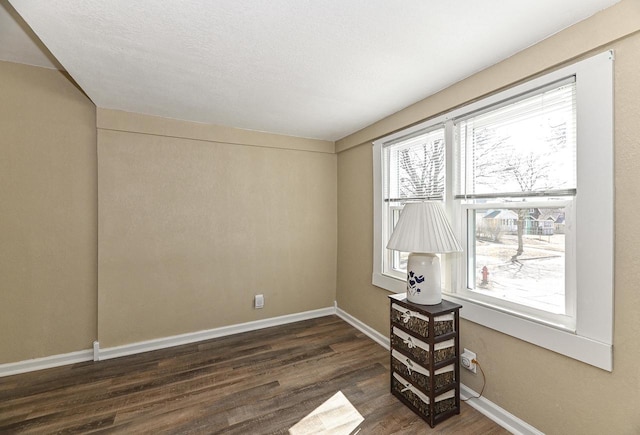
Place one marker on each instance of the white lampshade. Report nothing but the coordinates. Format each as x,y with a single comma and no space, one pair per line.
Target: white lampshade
423,227
423,230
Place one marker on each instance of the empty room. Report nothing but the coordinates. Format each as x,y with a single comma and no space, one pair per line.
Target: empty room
306,217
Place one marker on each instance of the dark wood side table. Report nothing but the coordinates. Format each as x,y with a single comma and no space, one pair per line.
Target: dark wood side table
425,370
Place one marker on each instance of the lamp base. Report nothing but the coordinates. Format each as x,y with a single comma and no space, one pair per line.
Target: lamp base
423,279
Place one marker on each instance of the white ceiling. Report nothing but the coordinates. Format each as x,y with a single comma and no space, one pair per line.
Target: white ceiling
310,68
18,42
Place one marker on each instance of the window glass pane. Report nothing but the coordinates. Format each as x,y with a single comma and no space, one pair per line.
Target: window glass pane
521,147
416,167
399,258
518,255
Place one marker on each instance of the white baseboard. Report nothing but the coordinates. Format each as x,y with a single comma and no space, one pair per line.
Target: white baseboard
504,418
192,337
96,353
47,362
364,328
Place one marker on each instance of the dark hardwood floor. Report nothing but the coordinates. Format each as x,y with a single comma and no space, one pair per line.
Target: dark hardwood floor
258,382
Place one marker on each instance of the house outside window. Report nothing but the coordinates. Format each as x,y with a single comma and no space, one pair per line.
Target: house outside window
526,177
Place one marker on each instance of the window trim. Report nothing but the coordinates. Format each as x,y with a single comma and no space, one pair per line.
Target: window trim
592,341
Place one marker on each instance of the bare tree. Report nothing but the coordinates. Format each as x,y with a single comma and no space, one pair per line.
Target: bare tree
530,170
423,169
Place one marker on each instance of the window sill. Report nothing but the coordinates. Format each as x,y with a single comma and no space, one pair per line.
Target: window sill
389,283
563,342
557,340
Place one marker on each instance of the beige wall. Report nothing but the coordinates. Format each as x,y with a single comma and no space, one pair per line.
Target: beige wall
556,394
48,216
194,220
191,227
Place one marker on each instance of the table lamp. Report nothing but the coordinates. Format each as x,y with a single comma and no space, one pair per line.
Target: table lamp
423,230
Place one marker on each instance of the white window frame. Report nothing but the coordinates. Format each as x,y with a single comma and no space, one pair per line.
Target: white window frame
591,339
381,277
388,255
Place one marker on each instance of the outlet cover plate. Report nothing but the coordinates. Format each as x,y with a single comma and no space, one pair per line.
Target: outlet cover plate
466,361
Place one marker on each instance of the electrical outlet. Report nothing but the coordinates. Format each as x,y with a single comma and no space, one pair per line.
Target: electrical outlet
258,301
466,360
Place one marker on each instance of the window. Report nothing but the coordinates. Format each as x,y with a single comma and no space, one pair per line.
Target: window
516,180
526,177
415,171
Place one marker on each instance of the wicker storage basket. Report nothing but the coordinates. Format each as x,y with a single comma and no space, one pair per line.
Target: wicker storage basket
418,323
419,350
443,403
419,375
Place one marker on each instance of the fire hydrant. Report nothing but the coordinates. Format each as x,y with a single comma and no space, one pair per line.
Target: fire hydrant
485,275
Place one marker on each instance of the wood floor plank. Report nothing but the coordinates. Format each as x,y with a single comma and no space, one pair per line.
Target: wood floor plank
259,382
